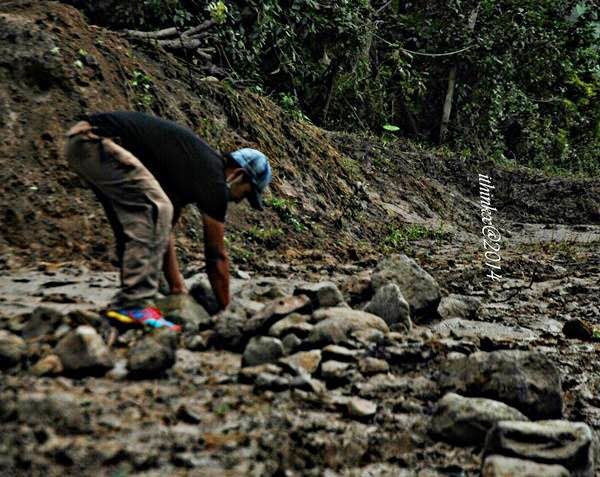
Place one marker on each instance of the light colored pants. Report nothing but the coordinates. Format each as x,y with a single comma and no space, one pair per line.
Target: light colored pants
137,208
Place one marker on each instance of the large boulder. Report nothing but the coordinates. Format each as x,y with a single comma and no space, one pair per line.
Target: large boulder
466,421
565,443
334,325
12,349
185,311
418,287
528,381
83,352
389,304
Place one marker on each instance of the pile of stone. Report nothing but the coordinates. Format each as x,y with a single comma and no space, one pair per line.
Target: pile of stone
346,356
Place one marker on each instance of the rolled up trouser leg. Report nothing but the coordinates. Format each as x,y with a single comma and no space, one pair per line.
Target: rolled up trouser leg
140,205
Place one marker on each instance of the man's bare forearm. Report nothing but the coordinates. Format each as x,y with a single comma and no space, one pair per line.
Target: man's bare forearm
218,275
171,269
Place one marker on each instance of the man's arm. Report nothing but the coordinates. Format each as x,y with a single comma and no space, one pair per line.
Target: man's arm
170,264
217,262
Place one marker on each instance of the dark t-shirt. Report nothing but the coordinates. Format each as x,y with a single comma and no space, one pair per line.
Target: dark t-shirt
187,168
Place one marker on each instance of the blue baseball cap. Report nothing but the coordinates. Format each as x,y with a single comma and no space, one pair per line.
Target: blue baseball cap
256,164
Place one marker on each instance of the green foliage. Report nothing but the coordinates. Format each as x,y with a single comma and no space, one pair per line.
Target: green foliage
527,75
286,211
218,11
399,237
269,236
142,84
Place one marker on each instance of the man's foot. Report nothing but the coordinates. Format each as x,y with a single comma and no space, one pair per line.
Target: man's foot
140,316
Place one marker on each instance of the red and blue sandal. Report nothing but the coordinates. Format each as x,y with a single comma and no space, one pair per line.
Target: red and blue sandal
148,316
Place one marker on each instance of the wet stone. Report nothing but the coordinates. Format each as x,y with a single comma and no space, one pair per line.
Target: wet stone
249,374
466,421
334,325
152,355
339,353
370,366
323,294
43,321
262,349
528,381
12,349
185,311
335,372
83,352
290,343
361,408
501,466
565,443
305,361
275,311
419,288
389,304
459,306
229,331
48,366
293,324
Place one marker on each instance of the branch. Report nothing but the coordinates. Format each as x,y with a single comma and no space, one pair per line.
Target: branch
150,35
170,32
450,53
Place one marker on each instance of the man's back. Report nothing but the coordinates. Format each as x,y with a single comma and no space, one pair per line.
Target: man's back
187,168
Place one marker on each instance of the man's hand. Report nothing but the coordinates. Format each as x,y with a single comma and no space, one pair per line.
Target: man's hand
179,289
217,263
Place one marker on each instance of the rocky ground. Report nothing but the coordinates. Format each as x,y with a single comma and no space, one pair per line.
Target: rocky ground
338,357
408,368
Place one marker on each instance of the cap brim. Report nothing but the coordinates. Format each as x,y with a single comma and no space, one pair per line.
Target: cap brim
255,199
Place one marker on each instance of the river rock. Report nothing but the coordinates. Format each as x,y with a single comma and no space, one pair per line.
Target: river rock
262,349
48,366
275,311
203,294
304,361
500,466
389,304
361,408
528,381
565,443
335,372
336,324
185,311
339,353
295,323
290,343
43,321
152,355
459,306
12,349
323,294
418,287
370,366
466,421
229,331
83,352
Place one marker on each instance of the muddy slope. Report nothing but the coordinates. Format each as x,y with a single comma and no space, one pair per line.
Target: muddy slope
343,195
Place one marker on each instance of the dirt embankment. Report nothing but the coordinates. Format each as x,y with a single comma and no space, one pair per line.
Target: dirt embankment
334,197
